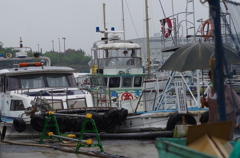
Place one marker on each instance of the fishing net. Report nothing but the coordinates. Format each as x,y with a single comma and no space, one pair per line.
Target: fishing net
230,26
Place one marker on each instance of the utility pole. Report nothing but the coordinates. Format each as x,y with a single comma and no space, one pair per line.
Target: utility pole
60,52
59,49
64,43
53,45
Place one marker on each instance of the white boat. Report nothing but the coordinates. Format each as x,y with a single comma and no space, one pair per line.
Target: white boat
172,106
30,89
116,76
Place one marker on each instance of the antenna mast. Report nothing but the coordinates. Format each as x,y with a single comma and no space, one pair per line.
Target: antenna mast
147,38
105,28
123,21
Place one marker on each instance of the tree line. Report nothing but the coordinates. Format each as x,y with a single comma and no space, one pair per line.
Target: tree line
70,57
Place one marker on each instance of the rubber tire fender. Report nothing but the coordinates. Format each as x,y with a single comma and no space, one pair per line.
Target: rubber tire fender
63,124
123,116
204,118
176,117
37,122
112,118
19,124
100,123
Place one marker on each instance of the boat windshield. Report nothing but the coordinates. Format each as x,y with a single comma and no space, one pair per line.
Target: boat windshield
40,81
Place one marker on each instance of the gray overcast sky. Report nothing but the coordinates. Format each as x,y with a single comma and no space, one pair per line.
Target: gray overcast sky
41,21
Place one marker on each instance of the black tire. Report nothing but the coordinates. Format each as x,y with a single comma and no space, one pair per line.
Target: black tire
100,123
176,119
19,125
63,124
123,116
112,118
204,118
77,124
37,122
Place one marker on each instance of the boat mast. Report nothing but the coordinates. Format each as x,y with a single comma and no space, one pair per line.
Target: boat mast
123,21
105,28
147,39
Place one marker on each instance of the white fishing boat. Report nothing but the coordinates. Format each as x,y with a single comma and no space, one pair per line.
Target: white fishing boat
162,111
30,89
116,76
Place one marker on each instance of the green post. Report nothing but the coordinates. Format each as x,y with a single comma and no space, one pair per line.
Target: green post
83,130
46,125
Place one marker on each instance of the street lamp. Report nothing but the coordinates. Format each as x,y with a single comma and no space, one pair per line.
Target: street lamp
38,47
53,45
64,43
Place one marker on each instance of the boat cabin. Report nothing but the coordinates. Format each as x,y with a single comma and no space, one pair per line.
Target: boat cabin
116,72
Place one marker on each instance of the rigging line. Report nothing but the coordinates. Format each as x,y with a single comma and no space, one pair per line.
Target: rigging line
114,14
230,32
235,26
131,18
232,2
233,16
92,31
165,18
162,8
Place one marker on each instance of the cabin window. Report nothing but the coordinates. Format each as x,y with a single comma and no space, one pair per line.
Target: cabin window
13,83
55,104
95,81
114,81
31,81
1,84
138,82
130,61
127,82
17,105
76,103
104,81
71,80
56,80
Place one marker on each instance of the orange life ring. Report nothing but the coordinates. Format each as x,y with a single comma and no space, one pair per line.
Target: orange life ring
210,30
127,96
169,29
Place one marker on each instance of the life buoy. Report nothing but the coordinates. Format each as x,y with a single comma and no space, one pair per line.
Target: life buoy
204,117
209,31
19,124
123,116
127,96
169,29
111,118
37,122
176,119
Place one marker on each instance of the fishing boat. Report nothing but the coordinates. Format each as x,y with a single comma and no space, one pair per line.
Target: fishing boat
117,75
162,111
30,89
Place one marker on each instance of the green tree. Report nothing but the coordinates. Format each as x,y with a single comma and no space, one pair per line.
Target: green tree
70,57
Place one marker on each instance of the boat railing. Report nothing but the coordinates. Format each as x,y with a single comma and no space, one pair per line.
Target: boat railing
50,97
120,62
